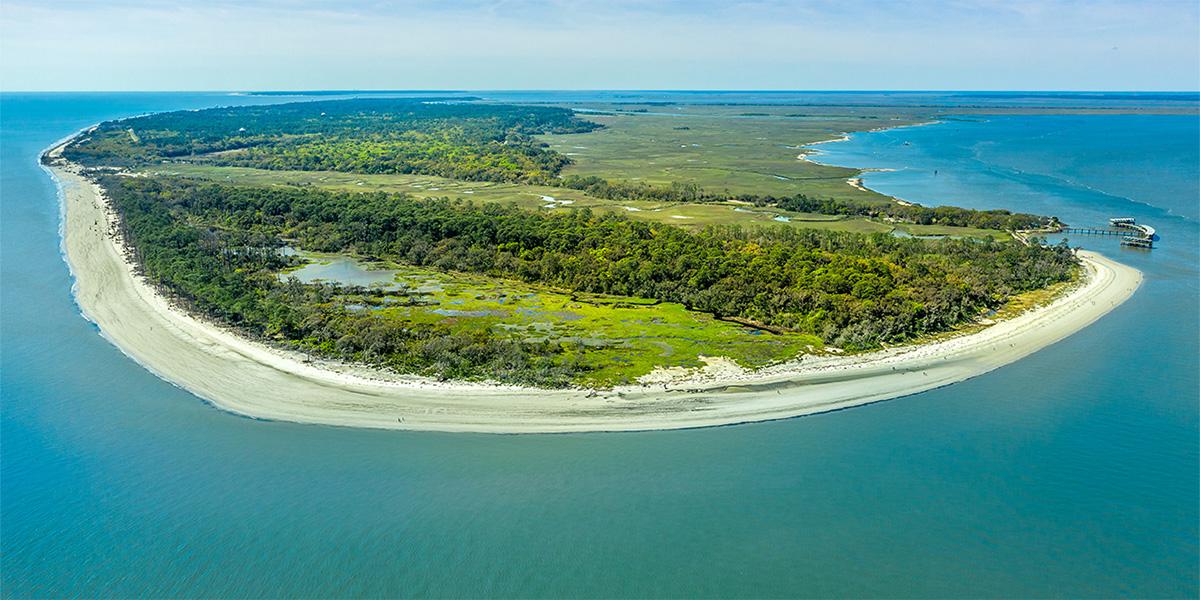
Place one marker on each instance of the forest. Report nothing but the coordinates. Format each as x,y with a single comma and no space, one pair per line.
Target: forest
443,137
432,136
214,247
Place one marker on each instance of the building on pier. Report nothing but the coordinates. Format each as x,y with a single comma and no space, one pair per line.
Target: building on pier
1131,232
1137,242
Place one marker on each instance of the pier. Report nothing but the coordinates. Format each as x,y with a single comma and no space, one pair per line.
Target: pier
1132,233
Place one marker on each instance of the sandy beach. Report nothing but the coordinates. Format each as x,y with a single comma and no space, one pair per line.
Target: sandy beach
253,379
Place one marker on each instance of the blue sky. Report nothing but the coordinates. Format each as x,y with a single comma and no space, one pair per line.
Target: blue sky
616,44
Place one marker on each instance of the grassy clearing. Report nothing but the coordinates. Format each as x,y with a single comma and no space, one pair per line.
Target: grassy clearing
534,197
720,149
735,149
531,197
618,338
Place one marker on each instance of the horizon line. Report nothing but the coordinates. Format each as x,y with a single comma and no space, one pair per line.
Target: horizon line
600,89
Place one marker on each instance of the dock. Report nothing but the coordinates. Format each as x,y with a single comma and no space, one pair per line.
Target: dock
1131,232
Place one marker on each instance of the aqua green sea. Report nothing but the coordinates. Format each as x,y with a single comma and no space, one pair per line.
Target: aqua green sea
1072,473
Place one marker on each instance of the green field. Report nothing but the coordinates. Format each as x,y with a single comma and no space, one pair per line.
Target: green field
533,197
718,149
734,149
617,339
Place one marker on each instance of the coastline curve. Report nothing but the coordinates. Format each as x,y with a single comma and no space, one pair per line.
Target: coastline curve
252,379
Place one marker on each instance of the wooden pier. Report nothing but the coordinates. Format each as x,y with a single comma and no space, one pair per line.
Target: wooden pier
1093,231
1132,233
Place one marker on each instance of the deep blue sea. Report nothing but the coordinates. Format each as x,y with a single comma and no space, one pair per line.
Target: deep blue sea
1072,473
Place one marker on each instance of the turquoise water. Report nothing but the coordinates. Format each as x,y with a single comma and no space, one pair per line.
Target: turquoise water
1070,473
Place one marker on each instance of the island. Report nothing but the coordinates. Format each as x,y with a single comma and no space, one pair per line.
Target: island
452,265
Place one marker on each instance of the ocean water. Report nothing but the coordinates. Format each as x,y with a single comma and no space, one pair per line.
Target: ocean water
1071,473
940,99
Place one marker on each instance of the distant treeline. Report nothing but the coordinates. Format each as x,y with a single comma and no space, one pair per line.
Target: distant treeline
437,136
907,213
480,142
213,245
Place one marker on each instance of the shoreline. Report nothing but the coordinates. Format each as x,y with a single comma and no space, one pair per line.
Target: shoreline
857,181
219,365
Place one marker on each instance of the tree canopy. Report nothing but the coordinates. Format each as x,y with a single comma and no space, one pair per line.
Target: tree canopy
214,245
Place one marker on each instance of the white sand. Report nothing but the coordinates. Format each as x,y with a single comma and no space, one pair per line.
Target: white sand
252,379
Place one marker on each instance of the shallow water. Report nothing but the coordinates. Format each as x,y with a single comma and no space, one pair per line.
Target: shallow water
342,270
1070,473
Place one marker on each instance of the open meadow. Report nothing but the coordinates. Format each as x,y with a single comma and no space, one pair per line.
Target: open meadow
727,149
